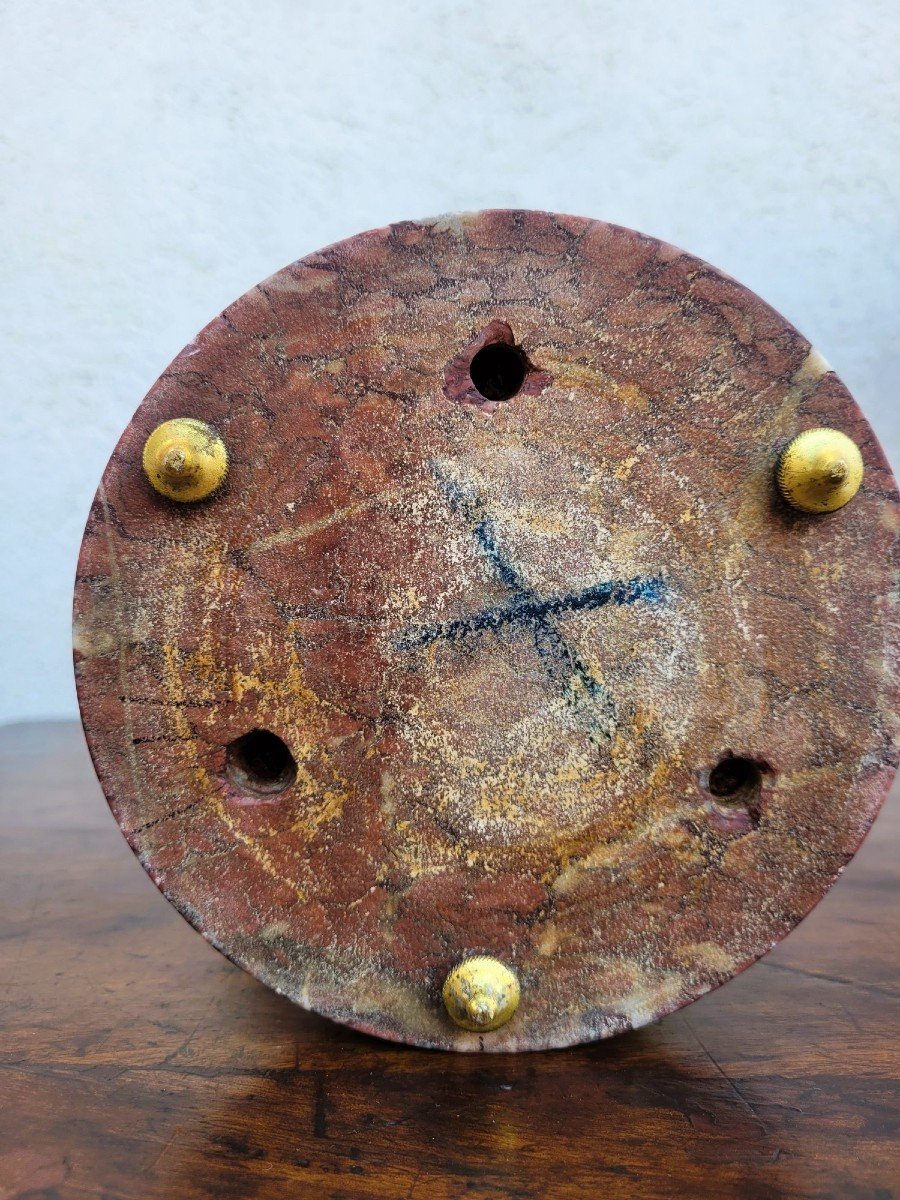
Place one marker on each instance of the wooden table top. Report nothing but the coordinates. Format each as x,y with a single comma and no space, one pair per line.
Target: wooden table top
137,1062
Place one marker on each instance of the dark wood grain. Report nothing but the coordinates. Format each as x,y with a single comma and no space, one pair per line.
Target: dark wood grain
137,1062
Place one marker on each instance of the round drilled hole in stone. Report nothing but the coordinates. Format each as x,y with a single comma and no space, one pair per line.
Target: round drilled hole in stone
736,782
498,370
260,763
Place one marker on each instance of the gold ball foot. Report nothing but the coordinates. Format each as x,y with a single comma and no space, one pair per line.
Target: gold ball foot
481,994
185,459
819,471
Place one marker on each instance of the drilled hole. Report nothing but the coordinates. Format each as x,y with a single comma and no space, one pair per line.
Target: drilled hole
498,370
260,762
736,782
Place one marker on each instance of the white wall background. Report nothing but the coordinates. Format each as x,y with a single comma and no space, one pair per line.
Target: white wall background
160,158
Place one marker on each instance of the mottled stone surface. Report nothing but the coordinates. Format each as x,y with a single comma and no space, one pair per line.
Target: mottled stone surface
506,643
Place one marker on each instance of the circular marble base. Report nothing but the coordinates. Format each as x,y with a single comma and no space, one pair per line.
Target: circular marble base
498,638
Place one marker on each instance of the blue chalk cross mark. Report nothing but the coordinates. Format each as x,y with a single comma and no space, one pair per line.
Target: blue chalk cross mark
525,610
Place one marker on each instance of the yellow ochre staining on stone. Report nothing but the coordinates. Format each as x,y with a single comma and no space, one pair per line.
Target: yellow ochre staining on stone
481,994
820,471
185,459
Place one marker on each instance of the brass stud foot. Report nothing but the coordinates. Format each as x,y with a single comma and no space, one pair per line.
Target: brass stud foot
481,994
819,471
185,459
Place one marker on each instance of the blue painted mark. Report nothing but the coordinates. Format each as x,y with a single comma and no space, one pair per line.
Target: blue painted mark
525,609
483,530
531,610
